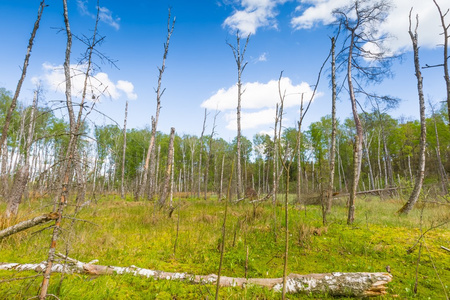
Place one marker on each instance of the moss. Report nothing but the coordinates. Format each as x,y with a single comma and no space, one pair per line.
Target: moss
135,233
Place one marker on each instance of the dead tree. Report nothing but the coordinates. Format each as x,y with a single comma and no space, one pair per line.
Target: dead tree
169,169
329,196
360,21
423,132
22,174
70,162
8,117
240,64
208,159
441,170
446,34
200,156
124,150
159,93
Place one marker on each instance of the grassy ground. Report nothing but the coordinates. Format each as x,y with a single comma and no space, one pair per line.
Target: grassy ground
124,233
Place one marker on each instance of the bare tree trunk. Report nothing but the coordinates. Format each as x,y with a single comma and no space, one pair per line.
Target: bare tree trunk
221,178
8,117
446,34
169,167
421,167
211,139
441,170
327,208
354,185
21,178
200,157
371,178
159,93
359,133
239,58
66,170
122,187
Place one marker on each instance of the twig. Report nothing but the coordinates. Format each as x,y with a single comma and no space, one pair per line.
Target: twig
446,249
19,278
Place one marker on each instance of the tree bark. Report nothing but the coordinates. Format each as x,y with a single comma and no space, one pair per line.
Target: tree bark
21,226
423,133
159,93
42,5
124,150
200,157
359,284
446,34
327,206
169,170
239,58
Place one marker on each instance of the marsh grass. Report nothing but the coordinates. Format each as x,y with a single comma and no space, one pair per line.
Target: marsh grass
124,233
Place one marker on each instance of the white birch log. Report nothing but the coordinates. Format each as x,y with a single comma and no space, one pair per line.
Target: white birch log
358,284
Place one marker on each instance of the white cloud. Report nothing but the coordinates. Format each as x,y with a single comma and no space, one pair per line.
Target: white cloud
128,88
99,85
258,101
253,15
107,17
250,120
314,12
262,57
105,14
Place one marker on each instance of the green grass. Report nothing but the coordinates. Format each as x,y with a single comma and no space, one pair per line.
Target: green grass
124,233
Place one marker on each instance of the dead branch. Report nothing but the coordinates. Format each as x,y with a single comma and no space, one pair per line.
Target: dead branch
27,224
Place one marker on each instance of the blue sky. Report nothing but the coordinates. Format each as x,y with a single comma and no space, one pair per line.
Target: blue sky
289,36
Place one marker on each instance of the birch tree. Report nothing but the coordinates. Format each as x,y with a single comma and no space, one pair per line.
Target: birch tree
239,55
408,206
360,21
159,93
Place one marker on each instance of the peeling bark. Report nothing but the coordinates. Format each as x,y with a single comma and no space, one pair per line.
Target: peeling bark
360,284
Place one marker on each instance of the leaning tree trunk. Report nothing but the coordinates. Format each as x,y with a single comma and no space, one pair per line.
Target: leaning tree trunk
22,77
421,167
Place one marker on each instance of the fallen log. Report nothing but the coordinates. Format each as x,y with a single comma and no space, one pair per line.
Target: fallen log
27,224
358,284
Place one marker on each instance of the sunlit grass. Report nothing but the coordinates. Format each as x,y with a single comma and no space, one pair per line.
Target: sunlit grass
124,233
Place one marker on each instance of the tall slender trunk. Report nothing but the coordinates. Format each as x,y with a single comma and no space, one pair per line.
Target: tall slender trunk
359,133
159,93
122,186
446,35
441,171
11,108
239,58
169,170
200,157
421,166
21,177
327,207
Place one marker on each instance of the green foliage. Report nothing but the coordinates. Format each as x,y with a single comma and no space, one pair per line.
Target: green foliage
136,233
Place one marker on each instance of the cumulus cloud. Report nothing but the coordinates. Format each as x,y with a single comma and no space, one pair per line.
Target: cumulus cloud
316,12
99,85
258,101
105,15
253,15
